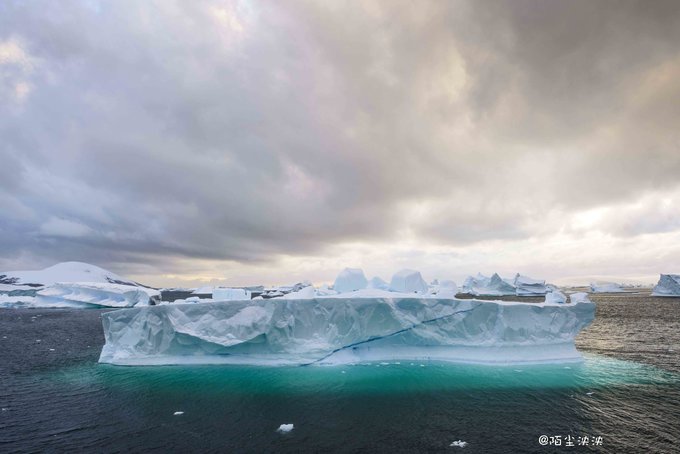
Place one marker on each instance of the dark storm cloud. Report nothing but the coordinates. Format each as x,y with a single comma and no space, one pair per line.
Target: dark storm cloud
140,132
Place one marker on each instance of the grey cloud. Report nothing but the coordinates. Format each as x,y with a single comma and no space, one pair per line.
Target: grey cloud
168,133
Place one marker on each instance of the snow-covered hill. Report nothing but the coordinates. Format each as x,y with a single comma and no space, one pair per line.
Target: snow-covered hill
62,272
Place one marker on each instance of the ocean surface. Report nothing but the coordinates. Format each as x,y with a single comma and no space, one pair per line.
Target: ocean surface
625,397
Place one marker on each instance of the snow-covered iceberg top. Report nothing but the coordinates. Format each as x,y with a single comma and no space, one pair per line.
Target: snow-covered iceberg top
345,330
94,294
668,285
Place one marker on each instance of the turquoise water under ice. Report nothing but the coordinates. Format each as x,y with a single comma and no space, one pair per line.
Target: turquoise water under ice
62,400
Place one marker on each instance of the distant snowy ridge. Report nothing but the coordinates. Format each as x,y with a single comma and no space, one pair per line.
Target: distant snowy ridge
72,284
63,272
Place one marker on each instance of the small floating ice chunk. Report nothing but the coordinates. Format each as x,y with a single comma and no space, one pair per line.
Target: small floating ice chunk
459,443
178,413
285,428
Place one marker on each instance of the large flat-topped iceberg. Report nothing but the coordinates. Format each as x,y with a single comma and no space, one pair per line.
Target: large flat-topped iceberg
669,285
345,330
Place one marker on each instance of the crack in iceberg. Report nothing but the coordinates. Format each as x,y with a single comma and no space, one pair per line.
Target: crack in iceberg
375,338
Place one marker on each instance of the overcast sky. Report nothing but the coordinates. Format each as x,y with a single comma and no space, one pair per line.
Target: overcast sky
254,142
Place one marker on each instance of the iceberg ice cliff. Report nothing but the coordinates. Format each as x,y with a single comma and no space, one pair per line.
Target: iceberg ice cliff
668,285
345,329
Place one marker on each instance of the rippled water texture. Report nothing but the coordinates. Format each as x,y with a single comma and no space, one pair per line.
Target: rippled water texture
54,396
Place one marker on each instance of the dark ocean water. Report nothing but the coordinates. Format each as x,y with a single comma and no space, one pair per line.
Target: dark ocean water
56,398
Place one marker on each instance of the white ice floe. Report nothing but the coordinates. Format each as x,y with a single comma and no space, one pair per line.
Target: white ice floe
345,330
459,443
230,294
349,280
408,281
94,294
668,285
555,297
285,428
606,287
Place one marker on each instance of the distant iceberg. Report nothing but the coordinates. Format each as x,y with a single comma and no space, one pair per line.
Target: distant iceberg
606,287
555,297
94,294
526,286
344,330
349,280
408,281
478,281
669,285
230,294
495,286
62,272
71,284
378,283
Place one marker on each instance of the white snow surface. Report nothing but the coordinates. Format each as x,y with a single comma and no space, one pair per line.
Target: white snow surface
668,285
606,287
65,272
408,281
349,280
345,330
94,294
